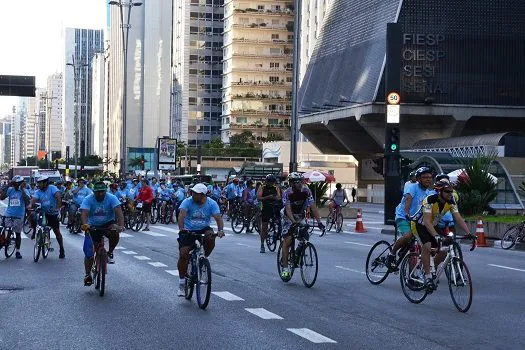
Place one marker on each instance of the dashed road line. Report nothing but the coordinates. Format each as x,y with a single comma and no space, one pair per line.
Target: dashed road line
125,235
157,264
173,272
246,245
228,296
129,252
352,270
165,229
153,234
141,257
507,267
264,314
310,335
119,248
361,244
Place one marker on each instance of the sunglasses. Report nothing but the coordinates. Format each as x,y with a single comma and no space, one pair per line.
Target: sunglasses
448,191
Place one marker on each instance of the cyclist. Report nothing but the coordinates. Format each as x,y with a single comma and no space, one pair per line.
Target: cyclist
412,180
270,196
447,220
409,205
79,194
49,198
18,201
296,199
338,198
146,196
232,194
101,210
195,215
426,224
248,198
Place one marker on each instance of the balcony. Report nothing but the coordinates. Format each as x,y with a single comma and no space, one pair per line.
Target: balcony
262,69
266,113
261,26
262,41
263,55
261,97
251,83
256,12
280,127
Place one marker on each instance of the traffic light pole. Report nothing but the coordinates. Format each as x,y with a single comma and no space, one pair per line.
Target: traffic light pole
392,166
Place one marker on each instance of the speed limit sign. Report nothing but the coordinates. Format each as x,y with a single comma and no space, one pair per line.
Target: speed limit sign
393,98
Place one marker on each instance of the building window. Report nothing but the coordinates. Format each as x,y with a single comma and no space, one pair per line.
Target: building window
274,64
272,121
242,120
275,36
274,79
260,7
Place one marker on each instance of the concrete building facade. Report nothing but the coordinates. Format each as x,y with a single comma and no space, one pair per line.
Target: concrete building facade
54,129
98,110
258,71
31,125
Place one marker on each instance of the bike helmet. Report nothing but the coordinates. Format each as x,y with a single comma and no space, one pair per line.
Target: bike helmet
17,179
442,176
423,170
412,173
295,177
270,178
42,178
441,185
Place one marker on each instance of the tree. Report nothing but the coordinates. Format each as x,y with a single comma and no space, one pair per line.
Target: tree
275,137
318,190
93,160
242,140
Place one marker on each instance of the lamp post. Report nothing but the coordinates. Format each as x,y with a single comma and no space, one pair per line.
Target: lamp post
125,38
76,71
294,130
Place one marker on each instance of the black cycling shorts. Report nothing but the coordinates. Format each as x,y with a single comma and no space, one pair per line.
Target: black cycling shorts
96,234
52,221
425,236
268,212
187,240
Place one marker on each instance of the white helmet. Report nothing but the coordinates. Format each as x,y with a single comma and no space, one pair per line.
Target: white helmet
295,177
200,188
42,178
17,179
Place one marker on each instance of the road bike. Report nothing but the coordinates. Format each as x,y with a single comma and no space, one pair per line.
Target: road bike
513,235
335,218
7,237
412,275
99,268
199,272
42,236
303,256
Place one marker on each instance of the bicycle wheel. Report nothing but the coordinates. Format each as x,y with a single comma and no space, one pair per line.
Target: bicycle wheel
102,261
329,223
204,283
510,237
9,248
460,284
46,245
309,265
63,216
78,224
412,277
339,223
138,222
238,223
188,286
154,215
290,262
271,238
376,267
256,222
27,226
37,248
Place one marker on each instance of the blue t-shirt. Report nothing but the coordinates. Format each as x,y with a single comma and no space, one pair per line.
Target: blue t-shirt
47,199
198,217
165,194
133,192
180,194
81,194
16,207
100,213
216,191
232,191
418,194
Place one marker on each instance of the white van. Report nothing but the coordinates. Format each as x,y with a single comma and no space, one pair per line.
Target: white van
52,174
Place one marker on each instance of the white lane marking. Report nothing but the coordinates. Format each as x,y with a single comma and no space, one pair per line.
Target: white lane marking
154,234
264,314
310,335
157,264
119,248
129,252
173,272
362,244
228,296
246,245
165,229
125,235
507,268
352,270
141,257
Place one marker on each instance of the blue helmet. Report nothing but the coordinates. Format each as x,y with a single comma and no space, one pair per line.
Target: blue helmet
423,170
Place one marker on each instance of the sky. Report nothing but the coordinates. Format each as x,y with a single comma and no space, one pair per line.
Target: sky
31,40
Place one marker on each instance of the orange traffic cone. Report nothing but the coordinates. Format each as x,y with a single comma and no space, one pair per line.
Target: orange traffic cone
480,234
359,227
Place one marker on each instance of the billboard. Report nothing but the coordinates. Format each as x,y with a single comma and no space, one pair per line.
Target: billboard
167,154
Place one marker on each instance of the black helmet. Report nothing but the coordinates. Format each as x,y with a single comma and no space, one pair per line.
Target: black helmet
270,178
441,185
423,170
442,176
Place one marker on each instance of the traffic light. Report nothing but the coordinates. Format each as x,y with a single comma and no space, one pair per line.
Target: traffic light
378,166
392,145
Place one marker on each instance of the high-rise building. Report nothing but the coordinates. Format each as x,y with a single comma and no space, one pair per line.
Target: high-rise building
98,117
31,125
41,121
54,128
197,71
148,79
80,47
5,140
258,69
21,110
15,138
313,13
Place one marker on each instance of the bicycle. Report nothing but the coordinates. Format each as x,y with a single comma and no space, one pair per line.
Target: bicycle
7,237
335,218
274,231
199,273
42,237
513,235
412,276
99,268
139,217
27,223
239,223
303,256
75,227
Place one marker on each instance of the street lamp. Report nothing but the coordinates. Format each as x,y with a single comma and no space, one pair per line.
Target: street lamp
125,39
76,71
294,132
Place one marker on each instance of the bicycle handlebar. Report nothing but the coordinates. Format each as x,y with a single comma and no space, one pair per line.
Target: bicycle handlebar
468,236
308,226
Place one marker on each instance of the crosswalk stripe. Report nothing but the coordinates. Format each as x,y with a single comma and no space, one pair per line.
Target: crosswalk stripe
119,248
154,234
228,296
157,264
125,235
264,314
141,257
310,335
129,252
173,272
165,229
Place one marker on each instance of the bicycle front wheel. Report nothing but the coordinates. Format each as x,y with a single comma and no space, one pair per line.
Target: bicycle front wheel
101,272
460,284
27,226
510,237
10,243
238,223
271,238
138,222
291,253
37,248
412,277
46,245
204,283
329,223
154,215
309,265
339,223
377,268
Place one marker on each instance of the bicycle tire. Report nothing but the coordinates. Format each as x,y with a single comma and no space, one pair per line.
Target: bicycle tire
27,226
238,224
459,281
511,236
416,275
174,216
372,264
257,223
204,271
290,262
46,245
96,276
154,215
189,285
78,224
309,258
102,272
339,222
63,217
138,222
329,223
10,244
37,248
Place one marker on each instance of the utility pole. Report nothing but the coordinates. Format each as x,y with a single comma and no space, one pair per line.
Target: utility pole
294,128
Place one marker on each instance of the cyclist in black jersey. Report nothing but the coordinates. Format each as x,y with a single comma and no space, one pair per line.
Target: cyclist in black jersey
270,196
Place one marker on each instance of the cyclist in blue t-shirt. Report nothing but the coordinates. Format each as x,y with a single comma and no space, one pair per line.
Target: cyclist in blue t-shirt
195,216
78,194
101,210
49,198
16,208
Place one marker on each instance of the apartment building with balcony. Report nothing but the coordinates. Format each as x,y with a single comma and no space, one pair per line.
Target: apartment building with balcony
258,69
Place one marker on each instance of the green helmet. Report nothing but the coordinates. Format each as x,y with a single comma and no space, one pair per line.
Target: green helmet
99,186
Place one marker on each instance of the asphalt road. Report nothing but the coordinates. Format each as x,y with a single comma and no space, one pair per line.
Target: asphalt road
45,304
